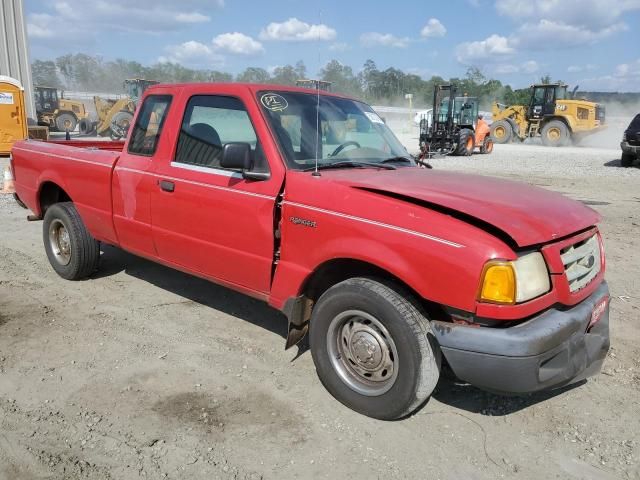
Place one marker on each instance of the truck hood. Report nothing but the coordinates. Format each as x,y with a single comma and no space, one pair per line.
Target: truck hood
528,215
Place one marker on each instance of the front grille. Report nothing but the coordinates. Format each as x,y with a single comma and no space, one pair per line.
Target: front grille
581,262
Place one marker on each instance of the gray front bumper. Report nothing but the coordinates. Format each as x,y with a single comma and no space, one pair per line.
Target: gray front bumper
550,350
626,148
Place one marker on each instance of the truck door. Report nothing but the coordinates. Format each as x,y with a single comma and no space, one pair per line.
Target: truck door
133,179
208,219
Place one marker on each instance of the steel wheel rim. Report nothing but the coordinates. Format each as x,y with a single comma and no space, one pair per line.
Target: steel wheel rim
499,132
362,352
553,134
60,242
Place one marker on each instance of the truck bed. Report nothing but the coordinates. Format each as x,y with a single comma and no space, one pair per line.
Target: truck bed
82,169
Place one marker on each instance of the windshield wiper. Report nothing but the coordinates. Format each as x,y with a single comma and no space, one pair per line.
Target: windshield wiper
397,160
350,164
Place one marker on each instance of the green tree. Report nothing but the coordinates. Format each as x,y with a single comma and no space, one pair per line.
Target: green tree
342,78
254,75
45,74
301,70
284,75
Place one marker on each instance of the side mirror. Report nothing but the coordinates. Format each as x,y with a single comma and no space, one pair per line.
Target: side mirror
238,156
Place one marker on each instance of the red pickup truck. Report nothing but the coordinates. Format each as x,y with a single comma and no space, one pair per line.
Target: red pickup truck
307,201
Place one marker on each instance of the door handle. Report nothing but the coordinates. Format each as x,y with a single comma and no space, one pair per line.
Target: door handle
167,186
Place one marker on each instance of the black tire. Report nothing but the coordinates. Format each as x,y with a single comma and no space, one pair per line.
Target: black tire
487,145
466,143
66,121
555,134
627,160
501,131
81,257
418,359
86,126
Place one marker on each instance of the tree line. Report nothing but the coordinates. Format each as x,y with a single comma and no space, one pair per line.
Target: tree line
91,73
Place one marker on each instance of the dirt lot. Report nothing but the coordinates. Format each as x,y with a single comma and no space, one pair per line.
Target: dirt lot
142,372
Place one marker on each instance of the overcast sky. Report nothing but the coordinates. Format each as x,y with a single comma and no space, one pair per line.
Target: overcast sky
595,43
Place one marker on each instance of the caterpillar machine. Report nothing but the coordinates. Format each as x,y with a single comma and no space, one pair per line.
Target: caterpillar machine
555,116
114,116
56,112
455,127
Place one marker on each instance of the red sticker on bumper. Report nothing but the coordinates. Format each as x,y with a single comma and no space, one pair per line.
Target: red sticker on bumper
597,312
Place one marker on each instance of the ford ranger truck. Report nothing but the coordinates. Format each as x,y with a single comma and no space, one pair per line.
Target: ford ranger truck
306,200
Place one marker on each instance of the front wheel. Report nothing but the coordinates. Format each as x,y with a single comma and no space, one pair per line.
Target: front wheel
555,134
627,159
373,348
72,251
466,143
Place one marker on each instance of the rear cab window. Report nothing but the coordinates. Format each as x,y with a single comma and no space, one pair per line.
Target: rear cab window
210,122
148,126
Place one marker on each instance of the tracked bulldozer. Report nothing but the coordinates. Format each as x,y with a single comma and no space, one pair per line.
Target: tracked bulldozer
556,117
114,116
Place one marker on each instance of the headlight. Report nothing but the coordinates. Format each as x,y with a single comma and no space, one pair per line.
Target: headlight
516,281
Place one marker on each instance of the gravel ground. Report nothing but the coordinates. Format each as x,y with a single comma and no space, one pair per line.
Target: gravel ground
143,372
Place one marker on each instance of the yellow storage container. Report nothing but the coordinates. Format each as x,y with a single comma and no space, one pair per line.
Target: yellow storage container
13,115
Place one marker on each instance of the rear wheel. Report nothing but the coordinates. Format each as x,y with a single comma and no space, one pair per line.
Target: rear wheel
555,134
466,143
487,145
72,251
373,348
501,131
627,159
66,122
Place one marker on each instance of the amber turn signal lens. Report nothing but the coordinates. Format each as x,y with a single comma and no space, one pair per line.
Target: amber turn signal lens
498,284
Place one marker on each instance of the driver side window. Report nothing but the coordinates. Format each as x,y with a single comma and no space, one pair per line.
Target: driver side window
210,122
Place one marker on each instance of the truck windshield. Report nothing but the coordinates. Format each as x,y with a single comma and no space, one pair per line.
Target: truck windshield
337,130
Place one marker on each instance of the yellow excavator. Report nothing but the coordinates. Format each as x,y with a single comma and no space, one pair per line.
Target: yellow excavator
55,111
556,117
114,116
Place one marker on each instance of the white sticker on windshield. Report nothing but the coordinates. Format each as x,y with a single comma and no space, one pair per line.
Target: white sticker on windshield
373,117
274,102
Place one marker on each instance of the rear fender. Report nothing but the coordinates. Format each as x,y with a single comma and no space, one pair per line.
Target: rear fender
46,177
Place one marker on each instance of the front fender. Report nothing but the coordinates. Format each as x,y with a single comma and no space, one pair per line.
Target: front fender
445,273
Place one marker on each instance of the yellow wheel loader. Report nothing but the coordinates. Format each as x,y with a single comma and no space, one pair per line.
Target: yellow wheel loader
551,115
57,112
114,116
